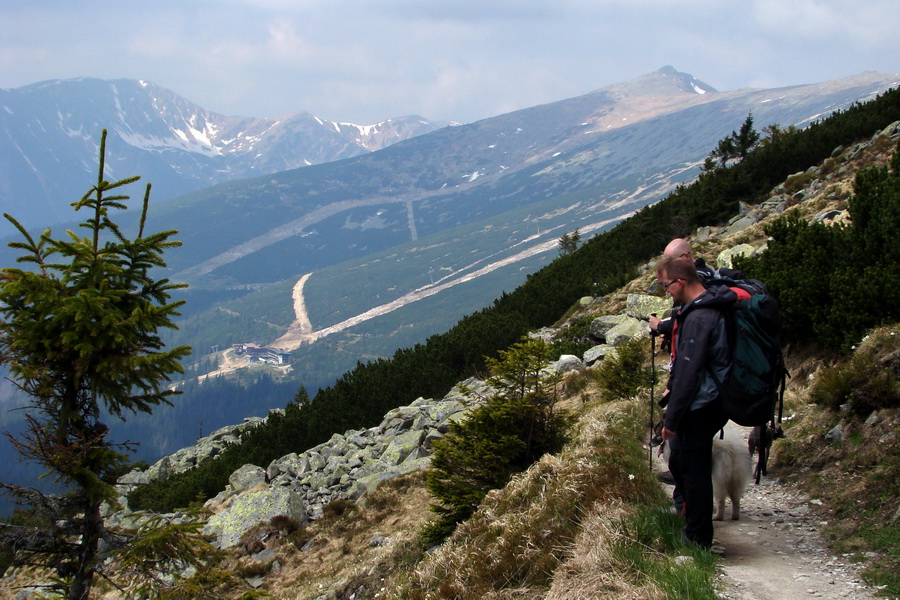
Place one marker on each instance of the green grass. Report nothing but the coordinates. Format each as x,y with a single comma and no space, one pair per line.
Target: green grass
650,548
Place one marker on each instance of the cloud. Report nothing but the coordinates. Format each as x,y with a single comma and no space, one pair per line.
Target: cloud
366,60
829,19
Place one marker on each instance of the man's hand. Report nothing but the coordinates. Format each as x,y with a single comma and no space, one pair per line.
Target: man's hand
667,433
654,322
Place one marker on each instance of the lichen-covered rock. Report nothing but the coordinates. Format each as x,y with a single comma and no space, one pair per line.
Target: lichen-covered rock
627,330
246,478
641,306
725,260
401,447
603,324
251,508
596,353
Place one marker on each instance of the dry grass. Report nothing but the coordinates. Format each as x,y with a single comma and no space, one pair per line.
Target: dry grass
593,571
340,555
516,542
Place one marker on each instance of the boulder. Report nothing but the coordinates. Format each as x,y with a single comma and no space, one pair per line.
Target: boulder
246,478
401,447
741,224
566,363
601,325
725,260
627,330
641,306
250,509
596,353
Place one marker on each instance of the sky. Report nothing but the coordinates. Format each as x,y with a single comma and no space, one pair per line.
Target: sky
364,61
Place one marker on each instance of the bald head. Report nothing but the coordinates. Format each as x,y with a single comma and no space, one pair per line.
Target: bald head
678,248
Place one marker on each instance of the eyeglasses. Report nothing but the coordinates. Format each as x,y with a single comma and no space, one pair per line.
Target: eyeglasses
665,286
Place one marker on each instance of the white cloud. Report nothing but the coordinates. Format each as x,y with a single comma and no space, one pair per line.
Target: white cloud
366,60
829,19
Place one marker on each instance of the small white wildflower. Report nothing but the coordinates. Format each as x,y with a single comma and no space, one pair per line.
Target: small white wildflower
630,476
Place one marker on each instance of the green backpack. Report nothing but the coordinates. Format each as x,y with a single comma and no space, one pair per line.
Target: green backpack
755,380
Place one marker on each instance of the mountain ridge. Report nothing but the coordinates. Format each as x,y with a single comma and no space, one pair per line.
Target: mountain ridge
49,127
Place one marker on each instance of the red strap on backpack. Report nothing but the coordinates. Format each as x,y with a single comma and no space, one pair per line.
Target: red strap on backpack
742,294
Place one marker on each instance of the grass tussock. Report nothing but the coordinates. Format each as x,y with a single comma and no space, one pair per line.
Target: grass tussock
630,553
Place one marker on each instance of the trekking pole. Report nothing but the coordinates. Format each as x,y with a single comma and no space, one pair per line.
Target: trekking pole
652,386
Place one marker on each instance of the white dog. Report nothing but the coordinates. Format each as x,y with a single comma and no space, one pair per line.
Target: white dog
731,472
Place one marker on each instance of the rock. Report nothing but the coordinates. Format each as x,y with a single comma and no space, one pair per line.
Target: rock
545,333
874,418
827,215
265,556
835,436
726,257
247,477
596,353
401,447
251,508
629,329
601,325
702,234
566,363
741,224
641,306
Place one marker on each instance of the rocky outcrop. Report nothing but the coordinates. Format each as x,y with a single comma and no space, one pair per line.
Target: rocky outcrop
347,466
254,506
206,448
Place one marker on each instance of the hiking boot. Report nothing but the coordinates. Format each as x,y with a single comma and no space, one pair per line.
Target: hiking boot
666,477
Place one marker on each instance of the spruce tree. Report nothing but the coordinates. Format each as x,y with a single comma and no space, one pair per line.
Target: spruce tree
80,334
517,425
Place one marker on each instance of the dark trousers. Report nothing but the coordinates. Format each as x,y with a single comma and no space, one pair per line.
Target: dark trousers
690,462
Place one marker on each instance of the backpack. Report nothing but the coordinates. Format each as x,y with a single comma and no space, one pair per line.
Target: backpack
754,384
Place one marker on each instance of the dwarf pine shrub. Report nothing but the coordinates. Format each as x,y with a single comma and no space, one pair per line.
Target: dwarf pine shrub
834,283
623,375
513,429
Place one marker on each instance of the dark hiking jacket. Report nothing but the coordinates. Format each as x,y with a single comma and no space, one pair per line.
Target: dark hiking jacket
702,346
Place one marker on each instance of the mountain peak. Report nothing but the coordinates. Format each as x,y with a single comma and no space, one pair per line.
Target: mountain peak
666,81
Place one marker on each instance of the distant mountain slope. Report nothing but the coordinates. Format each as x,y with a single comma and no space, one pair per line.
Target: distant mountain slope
576,162
49,132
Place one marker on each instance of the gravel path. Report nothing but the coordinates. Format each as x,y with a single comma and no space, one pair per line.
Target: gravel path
776,551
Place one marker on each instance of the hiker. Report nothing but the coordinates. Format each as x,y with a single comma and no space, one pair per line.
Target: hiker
681,248
694,410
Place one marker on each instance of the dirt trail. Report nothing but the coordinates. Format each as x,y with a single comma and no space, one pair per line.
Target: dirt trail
776,550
